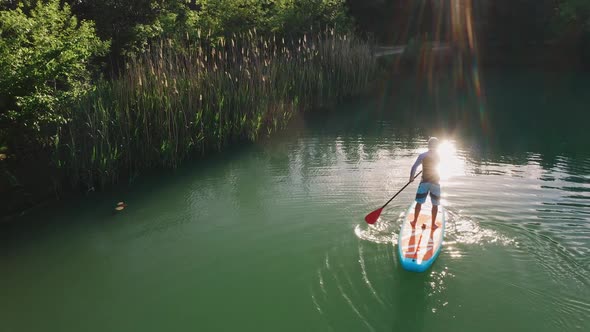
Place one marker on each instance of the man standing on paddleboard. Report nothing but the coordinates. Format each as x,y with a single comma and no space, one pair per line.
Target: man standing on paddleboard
430,181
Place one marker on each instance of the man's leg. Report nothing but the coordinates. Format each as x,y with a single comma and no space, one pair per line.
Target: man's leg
435,199
434,213
416,214
421,194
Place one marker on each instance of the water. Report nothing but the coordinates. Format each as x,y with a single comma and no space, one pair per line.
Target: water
271,236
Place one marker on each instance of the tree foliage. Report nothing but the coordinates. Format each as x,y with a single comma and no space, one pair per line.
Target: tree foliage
574,19
49,48
45,55
220,18
576,12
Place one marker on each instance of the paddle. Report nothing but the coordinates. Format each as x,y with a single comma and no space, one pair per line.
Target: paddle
372,217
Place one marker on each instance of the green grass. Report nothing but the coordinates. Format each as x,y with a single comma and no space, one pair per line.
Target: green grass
173,102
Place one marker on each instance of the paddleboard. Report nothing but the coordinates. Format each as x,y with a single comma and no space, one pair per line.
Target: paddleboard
418,248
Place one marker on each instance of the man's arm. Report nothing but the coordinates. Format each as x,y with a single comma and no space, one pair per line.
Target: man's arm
415,167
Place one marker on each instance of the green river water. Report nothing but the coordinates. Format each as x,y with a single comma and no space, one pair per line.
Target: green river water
271,237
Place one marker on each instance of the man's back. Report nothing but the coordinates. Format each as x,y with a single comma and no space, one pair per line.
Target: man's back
429,161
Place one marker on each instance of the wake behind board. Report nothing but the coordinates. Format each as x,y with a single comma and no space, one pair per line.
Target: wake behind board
418,248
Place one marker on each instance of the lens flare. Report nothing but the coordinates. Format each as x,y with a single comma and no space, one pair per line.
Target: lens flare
451,163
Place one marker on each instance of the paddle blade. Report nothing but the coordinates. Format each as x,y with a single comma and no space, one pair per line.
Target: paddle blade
372,217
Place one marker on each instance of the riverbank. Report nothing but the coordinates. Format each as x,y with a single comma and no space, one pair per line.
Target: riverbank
99,160
174,103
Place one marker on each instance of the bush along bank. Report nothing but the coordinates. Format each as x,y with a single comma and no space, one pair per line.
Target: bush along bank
176,101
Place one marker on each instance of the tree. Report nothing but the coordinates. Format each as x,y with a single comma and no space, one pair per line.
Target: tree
216,18
116,19
45,55
574,17
576,12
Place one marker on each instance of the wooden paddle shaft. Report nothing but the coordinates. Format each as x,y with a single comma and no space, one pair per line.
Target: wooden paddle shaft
404,187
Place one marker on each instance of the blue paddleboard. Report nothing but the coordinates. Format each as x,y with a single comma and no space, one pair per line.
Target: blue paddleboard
418,248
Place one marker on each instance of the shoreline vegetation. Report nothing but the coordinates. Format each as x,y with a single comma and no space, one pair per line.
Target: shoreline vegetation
93,93
182,95
173,102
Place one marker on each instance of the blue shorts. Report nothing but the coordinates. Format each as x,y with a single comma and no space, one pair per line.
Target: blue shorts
426,187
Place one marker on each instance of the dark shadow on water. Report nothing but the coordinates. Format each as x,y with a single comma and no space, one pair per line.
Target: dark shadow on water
96,209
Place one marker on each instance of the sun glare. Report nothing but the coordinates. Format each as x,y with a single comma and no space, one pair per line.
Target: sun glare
451,164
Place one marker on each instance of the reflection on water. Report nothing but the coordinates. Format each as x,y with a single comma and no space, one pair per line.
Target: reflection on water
438,282
451,163
516,198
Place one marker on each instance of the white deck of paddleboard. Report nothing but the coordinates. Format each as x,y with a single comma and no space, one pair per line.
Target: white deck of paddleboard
420,246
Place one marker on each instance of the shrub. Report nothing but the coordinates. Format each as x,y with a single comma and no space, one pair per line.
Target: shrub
170,104
45,55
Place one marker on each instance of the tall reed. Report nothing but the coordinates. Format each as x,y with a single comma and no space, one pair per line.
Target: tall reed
172,102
